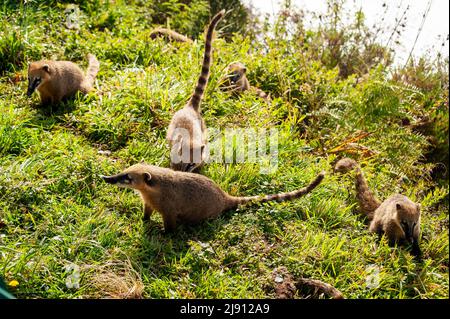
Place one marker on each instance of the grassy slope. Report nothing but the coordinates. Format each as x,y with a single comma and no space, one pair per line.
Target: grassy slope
57,212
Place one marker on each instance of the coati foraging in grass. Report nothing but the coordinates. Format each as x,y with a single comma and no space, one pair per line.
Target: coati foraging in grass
186,133
187,197
236,81
397,217
57,80
169,34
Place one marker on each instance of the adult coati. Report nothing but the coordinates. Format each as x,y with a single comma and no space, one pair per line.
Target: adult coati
186,133
236,81
187,197
169,34
57,80
397,217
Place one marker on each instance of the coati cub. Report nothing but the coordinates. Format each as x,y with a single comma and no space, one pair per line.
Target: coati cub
397,217
57,80
186,133
236,81
187,197
169,34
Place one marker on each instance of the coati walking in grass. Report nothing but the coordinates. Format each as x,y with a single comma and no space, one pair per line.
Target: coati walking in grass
236,81
169,34
57,80
397,217
186,133
187,197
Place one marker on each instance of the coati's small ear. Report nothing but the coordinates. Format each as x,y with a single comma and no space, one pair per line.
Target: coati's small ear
46,68
399,206
418,206
244,69
142,161
147,178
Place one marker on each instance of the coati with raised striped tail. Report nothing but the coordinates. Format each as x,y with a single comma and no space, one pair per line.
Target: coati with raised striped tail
58,80
397,217
183,197
186,133
169,34
236,81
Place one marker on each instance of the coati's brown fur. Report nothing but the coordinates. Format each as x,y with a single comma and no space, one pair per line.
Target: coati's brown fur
397,217
189,118
57,80
169,34
236,81
183,197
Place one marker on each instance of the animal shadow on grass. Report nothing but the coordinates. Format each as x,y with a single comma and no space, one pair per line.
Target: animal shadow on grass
159,248
48,115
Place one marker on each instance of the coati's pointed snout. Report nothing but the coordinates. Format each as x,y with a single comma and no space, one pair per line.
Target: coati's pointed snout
31,89
119,179
29,92
32,85
108,179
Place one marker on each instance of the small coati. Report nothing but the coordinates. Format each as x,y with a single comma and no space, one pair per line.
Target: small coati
169,34
397,217
187,197
236,81
57,80
186,133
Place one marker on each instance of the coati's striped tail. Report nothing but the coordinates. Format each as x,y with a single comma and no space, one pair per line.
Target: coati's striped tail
92,69
282,196
169,34
368,203
203,79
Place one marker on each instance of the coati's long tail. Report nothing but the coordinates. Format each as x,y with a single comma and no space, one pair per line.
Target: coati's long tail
203,79
367,201
169,34
282,196
92,69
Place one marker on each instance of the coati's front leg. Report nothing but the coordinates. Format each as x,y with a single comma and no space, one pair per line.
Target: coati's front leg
170,222
148,210
394,233
46,99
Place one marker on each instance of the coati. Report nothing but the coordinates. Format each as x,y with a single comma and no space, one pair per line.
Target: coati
186,133
169,34
397,217
57,80
236,81
188,197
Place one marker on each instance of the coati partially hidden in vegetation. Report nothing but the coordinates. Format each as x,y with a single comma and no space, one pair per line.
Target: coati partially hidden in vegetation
236,81
397,217
188,149
187,197
57,80
169,34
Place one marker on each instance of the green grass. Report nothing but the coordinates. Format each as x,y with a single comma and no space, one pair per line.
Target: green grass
55,211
